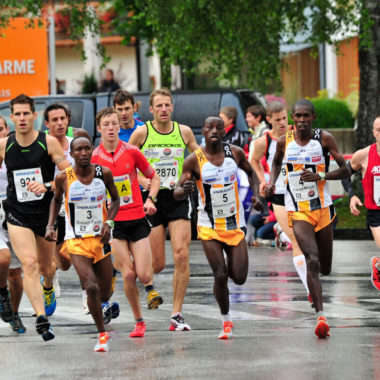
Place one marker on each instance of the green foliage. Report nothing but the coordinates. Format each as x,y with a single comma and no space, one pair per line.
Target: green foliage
332,113
90,85
345,218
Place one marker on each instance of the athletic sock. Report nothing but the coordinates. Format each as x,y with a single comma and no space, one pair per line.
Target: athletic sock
300,265
226,318
140,320
284,237
149,288
47,289
4,291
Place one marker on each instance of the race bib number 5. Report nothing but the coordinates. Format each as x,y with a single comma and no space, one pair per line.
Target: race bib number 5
223,201
302,191
22,178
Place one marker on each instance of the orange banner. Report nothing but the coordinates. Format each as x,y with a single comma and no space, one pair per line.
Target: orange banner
23,60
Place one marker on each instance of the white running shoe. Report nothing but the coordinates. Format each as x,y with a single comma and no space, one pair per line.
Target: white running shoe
177,323
56,285
279,243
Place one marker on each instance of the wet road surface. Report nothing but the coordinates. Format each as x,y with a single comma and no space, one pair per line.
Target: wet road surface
274,327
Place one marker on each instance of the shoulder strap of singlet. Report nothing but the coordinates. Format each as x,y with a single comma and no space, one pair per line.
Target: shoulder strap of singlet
317,135
99,172
268,137
11,141
228,151
41,139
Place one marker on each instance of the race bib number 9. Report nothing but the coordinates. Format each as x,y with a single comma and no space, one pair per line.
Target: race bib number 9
123,186
88,219
22,178
167,170
376,189
223,200
302,191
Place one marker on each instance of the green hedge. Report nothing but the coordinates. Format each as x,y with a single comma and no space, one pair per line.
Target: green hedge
332,113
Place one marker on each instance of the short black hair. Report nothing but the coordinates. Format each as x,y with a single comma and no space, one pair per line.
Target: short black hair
77,138
53,107
122,96
304,103
213,119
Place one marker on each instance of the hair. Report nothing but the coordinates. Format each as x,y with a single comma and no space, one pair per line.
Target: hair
5,122
274,107
22,99
213,119
77,138
161,91
105,112
122,96
230,111
110,70
53,107
304,103
256,111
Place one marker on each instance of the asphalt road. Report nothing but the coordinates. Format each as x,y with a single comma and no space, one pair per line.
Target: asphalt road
274,328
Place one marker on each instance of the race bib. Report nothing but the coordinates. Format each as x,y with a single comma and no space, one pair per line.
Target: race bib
376,189
22,178
167,170
123,186
88,219
223,200
302,191
3,196
281,181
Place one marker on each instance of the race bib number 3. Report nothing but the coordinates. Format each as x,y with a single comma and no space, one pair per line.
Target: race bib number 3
376,189
22,178
223,201
302,191
88,219
123,186
167,170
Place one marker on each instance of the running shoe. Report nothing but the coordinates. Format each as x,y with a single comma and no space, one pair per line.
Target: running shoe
50,301
110,311
375,273
86,310
56,286
154,299
6,312
17,325
139,330
322,329
177,323
102,345
43,328
281,245
310,300
226,333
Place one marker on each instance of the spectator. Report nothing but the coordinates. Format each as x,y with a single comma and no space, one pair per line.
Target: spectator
109,84
263,226
233,136
256,120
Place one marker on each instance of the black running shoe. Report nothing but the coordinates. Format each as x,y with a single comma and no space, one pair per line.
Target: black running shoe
43,328
17,325
6,308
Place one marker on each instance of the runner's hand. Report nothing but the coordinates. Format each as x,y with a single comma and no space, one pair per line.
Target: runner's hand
354,203
262,189
51,234
105,233
188,186
36,187
144,182
269,190
308,176
256,204
149,207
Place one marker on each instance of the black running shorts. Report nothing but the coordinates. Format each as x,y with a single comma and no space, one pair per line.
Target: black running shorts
131,230
61,229
277,199
36,223
373,218
168,209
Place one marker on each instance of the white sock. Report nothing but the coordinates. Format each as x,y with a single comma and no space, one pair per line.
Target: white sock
284,237
84,294
225,318
300,265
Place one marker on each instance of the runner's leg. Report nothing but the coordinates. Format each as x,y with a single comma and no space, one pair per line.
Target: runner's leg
237,259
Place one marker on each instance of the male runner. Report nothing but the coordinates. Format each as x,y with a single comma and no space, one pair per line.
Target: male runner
10,266
30,157
131,227
221,224
305,153
88,227
368,161
124,104
265,146
163,143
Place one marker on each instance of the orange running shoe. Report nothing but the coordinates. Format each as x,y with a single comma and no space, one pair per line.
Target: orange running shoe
322,329
226,333
375,273
139,330
102,345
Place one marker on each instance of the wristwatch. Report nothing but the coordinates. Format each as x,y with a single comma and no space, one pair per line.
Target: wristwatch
322,175
110,222
47,186
153,198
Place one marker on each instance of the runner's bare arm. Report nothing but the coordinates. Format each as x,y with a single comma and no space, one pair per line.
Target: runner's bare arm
3,143
55,205
139,136
114,205
359,159
258,153
188,137
185,184
276,166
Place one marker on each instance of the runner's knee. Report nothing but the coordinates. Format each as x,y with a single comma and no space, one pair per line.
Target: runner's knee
129,276
29,264
181,257
220,276
313,264
92,289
